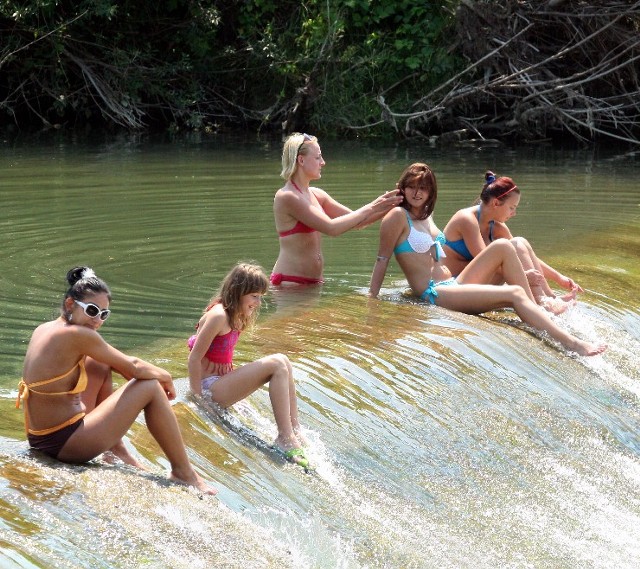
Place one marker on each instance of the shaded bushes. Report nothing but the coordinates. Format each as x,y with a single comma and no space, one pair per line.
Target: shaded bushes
523,69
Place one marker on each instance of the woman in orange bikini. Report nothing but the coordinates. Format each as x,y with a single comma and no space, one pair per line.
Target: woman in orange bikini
70,349
303,213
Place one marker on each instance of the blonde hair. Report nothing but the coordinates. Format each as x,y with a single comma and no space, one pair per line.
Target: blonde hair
243,279
294,145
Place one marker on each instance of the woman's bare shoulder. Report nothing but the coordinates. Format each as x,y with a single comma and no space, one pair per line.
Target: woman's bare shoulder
318,192
396,214
282,193
465,213
216,317
467,216
57,330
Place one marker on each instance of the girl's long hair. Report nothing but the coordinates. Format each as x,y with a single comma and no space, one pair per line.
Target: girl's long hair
244,278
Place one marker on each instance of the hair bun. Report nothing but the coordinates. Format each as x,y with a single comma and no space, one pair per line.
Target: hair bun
78,273
489,177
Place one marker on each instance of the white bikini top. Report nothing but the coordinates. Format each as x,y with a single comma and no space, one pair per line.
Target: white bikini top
419,242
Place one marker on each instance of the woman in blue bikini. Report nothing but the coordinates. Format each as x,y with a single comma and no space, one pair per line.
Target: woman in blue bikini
472,229
409,233
65,357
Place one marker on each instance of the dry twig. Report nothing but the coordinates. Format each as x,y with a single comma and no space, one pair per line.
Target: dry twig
539,67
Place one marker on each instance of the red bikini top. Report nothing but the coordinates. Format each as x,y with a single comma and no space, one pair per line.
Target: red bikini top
221,349
299,227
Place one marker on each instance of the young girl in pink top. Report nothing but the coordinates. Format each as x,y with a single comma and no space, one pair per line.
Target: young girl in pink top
211,371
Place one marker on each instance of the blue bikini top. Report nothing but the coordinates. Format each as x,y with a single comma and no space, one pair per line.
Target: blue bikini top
460,246
420,242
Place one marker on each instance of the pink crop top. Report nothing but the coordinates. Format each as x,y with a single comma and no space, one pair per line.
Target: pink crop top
221,350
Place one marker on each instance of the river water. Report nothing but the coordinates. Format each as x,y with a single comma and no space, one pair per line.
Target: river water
440,439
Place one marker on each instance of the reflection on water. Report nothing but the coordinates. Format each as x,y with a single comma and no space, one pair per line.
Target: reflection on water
440,439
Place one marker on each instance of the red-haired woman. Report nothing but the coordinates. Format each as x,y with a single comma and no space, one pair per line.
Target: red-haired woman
408,233
472,229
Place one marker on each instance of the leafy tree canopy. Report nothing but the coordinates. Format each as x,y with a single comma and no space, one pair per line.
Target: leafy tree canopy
405,67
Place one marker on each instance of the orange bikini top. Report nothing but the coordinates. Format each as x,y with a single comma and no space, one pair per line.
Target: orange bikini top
24,389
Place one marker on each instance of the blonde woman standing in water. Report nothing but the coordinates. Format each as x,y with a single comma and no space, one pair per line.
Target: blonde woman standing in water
408,232
304,213
68,354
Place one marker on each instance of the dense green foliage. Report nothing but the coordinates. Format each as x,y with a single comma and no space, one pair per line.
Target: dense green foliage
327,65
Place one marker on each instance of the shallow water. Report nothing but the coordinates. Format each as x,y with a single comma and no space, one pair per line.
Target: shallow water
440,439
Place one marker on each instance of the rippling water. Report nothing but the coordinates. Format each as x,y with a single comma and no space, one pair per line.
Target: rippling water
441,440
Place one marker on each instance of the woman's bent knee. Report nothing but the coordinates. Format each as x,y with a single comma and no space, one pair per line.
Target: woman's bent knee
278,362
516,291
521,244
281,360
148,386
502,244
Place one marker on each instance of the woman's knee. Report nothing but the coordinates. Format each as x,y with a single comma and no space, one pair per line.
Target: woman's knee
521,244
516,292
502,245
501,248
278,363
281,360
148,387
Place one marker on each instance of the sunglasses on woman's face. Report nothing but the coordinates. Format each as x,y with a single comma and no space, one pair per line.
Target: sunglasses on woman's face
92,310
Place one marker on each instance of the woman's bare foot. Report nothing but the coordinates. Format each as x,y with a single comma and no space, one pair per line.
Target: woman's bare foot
587,348
569,296
119,450
193,479
111,457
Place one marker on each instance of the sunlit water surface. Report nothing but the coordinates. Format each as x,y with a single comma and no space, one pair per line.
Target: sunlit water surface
440,439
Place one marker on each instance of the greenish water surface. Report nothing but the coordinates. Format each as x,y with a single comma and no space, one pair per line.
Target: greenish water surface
443,440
